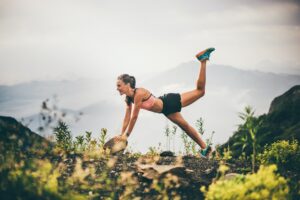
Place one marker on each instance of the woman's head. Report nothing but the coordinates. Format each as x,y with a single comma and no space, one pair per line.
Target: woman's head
125,82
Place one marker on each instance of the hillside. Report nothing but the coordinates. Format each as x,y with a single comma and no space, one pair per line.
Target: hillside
14,137
282,122
28,147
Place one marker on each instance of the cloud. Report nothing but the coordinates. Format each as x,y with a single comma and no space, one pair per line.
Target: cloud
57,39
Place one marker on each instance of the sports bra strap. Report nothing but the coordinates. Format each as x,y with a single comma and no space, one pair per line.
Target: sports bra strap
132,99
148,97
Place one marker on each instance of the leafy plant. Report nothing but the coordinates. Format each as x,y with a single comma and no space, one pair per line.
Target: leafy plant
79,143
174,129
251,125
168,137
103,137
199,125
265,184
63,136
285,154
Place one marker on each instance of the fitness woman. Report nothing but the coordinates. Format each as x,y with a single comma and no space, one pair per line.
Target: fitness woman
169,104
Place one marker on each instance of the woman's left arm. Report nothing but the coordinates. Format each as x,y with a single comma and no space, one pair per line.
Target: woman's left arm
135,114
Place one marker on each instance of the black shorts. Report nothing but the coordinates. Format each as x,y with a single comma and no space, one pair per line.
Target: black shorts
171,103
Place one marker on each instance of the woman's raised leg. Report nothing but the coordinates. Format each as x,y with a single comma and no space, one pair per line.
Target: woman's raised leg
190,97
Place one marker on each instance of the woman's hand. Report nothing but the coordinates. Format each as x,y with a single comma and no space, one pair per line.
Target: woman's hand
121,137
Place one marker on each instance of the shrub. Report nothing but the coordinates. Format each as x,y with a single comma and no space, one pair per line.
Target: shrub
286,154
265,184
63,136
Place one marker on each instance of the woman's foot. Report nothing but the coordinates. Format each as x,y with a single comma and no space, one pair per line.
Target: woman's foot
204,55
206,152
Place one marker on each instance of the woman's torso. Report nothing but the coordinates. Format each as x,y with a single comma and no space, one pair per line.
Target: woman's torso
149,101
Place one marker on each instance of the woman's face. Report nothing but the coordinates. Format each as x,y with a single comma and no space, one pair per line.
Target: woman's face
122,87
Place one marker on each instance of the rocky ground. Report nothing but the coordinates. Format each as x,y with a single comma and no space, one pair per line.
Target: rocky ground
192,172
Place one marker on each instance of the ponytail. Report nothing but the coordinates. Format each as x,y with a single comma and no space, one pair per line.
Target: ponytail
128,79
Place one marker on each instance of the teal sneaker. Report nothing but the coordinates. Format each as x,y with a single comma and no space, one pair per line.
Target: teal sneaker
205,152
204,55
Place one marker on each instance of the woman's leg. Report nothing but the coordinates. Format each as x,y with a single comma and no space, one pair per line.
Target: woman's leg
183,124
188,98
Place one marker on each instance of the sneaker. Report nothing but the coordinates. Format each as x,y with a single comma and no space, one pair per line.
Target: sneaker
206,152
204,55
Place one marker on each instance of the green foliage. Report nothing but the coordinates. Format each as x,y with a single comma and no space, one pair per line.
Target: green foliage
251,126
166,188
88,138
63,136
34,179
154,151
170,133
265,184
168,137
227,154
286,154
173,133
199,125
103,137
81,143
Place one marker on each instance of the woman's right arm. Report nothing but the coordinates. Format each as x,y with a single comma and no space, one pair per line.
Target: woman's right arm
127,118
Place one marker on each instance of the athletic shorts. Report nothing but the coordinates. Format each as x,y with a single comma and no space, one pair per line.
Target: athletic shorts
171,103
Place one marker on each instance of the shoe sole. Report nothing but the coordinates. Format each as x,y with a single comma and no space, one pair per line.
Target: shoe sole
203,52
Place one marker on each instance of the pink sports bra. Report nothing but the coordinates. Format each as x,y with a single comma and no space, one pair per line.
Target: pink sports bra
146,104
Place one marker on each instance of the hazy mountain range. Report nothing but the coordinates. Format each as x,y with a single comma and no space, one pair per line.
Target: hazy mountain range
228,91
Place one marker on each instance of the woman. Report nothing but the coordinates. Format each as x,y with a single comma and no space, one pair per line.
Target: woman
169,104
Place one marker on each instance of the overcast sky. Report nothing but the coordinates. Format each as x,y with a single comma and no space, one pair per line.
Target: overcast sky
56,39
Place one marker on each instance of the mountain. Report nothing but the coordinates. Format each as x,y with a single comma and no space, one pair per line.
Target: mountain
228,91
284,116
282,122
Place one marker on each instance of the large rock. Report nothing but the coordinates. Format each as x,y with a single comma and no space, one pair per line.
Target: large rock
16,137
116,145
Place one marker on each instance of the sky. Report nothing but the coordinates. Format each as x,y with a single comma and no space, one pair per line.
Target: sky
71,39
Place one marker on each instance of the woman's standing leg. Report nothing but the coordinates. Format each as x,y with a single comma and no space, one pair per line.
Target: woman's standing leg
188,98
184,125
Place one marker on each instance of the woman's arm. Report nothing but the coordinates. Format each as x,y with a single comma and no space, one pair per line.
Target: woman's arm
126,118
136,110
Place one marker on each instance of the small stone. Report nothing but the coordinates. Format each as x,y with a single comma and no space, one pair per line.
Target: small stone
166,153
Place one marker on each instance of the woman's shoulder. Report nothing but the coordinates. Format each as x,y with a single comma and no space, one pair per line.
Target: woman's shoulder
142,90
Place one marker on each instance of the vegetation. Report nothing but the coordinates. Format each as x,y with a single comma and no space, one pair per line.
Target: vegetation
286,155
265,184
250,127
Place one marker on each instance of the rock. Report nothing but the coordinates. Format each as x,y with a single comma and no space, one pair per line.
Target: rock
116,145
230,176
167,153
152,171
15,137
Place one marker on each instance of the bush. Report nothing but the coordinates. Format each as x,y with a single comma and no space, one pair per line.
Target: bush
265,184
285,154
63,136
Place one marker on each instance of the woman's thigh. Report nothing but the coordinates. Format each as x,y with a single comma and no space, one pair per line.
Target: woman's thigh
178,119
190,97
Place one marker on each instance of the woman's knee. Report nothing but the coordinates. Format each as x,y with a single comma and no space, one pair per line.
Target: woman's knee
201,93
